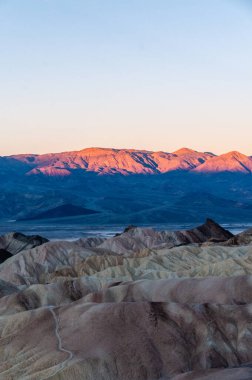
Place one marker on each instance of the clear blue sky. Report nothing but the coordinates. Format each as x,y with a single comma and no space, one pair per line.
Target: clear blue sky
153,74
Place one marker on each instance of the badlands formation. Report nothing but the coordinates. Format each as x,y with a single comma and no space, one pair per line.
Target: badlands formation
143,305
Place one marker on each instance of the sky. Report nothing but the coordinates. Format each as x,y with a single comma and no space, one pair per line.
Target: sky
146,74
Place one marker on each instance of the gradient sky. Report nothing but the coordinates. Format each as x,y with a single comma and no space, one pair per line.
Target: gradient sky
148,74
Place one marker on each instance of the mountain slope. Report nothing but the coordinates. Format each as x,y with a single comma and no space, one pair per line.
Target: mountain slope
63,211
111,161
229,162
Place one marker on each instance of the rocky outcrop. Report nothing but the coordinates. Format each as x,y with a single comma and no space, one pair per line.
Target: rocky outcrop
15,242
90,242
135,239
244,238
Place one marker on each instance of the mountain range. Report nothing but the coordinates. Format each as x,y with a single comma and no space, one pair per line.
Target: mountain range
125,186
128,161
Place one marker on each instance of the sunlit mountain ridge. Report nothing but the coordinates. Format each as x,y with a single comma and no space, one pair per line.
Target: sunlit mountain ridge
128,161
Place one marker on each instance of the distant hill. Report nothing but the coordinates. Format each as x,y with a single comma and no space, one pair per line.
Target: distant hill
63,211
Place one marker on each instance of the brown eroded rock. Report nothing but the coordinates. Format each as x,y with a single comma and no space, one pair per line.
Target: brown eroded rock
244,238
137,253
15,242
53,260
137,239
221,290
226,290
